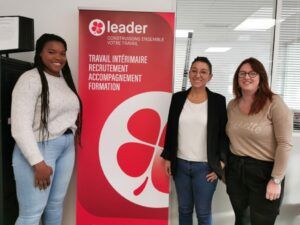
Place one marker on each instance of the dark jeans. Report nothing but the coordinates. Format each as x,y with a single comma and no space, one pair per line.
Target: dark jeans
246,180
193,189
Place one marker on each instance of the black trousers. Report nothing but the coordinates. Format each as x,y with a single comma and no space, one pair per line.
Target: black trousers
246,181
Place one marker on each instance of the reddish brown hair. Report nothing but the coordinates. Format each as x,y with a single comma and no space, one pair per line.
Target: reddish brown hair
263,92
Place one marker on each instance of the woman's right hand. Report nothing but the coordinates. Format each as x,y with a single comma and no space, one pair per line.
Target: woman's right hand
168,167
223,176
42,173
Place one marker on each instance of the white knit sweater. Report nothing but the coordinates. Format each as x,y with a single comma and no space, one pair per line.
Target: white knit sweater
26,112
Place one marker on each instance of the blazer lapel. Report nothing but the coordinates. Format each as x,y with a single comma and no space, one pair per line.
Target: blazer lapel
210,117
181,102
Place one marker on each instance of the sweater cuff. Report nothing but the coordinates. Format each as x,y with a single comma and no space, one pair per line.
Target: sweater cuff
34,159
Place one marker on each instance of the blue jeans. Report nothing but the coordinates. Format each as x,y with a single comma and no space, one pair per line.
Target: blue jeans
34,203
193,189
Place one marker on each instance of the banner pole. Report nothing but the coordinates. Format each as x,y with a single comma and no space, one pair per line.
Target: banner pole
187,61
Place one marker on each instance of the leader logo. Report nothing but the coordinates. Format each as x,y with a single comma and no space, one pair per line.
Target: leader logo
97,27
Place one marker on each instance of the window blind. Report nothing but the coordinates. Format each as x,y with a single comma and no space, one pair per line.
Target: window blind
286,67
214,24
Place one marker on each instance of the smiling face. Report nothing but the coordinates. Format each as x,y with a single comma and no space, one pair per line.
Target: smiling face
246,83
54,57
199,74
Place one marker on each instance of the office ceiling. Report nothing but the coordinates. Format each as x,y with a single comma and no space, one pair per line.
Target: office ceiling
215,20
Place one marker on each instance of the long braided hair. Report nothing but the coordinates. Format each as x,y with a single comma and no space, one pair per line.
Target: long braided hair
38,63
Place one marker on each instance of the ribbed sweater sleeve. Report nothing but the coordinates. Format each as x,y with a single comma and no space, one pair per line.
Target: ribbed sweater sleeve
283,128
24,100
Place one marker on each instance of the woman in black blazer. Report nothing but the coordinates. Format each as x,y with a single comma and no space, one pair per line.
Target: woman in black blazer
196,144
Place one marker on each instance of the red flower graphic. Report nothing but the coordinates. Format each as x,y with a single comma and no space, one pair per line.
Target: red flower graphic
136,159
97,27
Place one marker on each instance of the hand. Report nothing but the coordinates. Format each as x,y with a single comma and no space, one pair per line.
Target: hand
222,164
42,173
211,177
223,176
168,167
273,191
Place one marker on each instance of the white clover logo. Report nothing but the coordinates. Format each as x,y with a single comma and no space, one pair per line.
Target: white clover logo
129,149
97,27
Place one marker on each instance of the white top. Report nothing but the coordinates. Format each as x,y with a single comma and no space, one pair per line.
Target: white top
192,132
26,112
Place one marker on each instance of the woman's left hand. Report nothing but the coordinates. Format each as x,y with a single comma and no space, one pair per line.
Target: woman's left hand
211,177
273,191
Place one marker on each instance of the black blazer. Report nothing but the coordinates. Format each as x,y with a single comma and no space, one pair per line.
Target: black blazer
217,141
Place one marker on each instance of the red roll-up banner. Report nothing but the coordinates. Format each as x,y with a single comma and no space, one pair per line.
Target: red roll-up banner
125,82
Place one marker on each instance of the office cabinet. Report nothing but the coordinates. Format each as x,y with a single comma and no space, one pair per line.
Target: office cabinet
10,71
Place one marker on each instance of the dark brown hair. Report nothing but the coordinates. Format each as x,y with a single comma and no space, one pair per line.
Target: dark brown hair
204,60
263,92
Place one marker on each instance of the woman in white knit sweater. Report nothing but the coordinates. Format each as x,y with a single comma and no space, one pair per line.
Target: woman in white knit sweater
46,114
